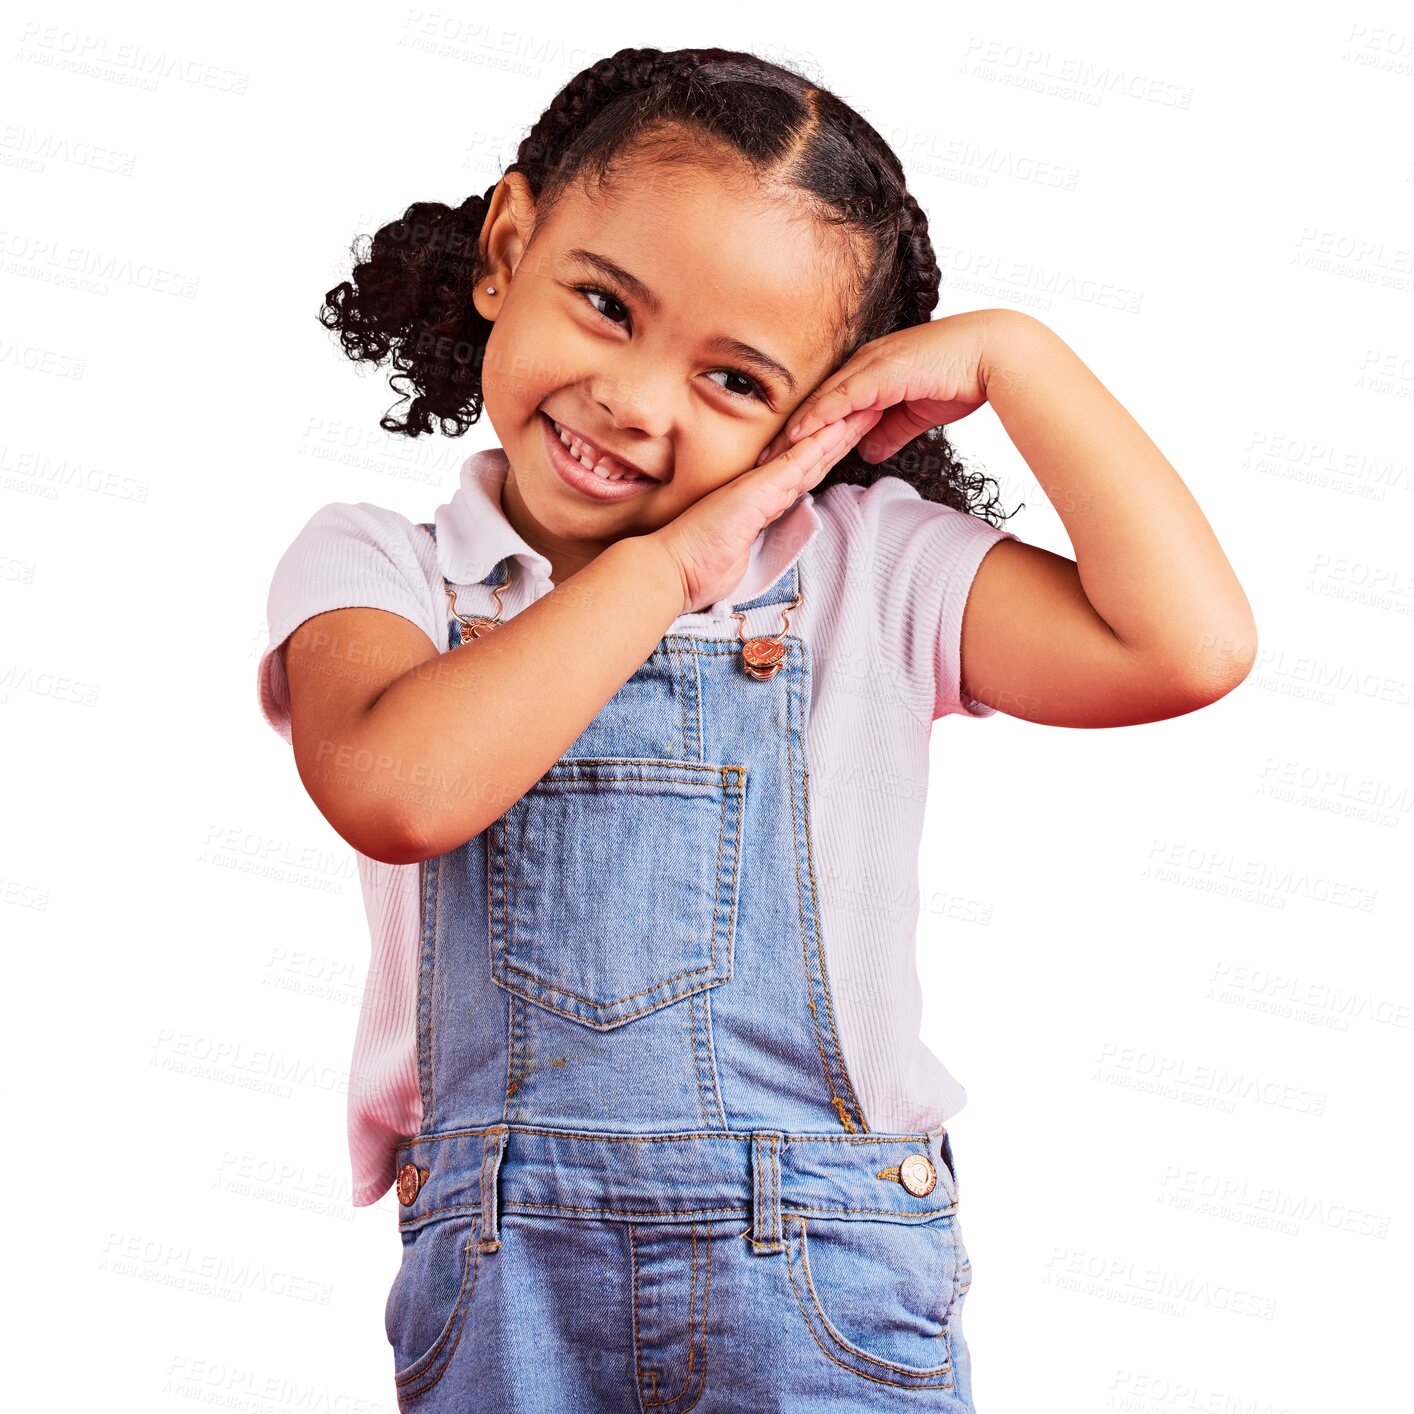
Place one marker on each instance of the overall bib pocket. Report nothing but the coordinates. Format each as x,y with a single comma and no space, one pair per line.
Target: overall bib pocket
427,1305
613,886
879,1297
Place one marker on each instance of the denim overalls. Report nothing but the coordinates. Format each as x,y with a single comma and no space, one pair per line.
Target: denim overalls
643,1181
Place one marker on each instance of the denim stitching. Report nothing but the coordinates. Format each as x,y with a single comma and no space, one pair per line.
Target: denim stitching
633,1279
471,1206
756,1193
726,647
691,1010
522,1025
757,1242
913,1379
494,893
706,1297
854,1141
651,1375
766,1183
691,739
771,1155
499,851
491,1153
691,1309
793,673
704,1061
919,1219
709,1041
481,1183
456,1322
686,972
618,1020
847,1083
511,1001
691,1342
519,1059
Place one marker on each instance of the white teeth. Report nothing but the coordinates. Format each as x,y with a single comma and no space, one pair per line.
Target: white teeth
585,458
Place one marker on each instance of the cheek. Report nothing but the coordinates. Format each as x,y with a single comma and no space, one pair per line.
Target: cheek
512,375
703,477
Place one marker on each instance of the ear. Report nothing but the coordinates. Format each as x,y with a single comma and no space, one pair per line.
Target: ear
505,234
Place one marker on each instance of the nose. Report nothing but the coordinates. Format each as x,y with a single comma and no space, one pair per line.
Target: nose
633,403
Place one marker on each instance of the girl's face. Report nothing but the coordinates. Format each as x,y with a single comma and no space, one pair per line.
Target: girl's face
674,322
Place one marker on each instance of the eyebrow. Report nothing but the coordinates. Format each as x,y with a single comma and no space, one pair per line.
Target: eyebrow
734,348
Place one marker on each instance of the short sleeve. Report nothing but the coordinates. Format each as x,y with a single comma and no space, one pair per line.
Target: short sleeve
921,558
346,557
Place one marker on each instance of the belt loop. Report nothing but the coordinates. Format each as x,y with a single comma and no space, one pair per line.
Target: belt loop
766,1191
491,1155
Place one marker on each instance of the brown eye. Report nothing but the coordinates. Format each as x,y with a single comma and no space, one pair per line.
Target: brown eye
753,391
753,388
589,291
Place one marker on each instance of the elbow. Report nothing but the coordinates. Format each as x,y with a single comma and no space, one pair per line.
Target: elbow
384,841
410,839
1224,658
425,824
393,850
402,840
373,827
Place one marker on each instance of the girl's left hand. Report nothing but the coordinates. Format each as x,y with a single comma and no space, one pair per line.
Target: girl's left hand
910,380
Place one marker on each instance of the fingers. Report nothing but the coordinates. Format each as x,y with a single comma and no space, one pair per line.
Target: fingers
833,440
826,447
804,451
858,422
864,389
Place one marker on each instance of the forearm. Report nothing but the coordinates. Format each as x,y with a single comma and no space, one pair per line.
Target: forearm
1148,560
481,723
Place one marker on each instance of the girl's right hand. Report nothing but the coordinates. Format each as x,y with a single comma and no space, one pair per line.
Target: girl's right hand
710,542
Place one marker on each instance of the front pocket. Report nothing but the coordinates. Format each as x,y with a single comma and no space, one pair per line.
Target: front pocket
878,1297
427,1305
612,886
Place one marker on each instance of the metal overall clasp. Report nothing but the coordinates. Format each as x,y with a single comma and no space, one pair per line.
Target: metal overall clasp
475,625
762,657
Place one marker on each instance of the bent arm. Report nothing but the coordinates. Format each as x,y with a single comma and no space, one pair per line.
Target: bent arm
1149,619
409,752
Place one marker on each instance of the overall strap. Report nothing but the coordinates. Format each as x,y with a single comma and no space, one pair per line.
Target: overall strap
459,626
785,590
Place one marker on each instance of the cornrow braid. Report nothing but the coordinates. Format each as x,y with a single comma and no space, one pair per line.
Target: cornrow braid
409,298
585,96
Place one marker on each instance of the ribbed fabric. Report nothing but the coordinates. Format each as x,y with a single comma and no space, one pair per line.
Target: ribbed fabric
885,576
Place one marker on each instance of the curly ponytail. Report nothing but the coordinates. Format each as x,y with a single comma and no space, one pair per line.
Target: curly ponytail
410,299
410,296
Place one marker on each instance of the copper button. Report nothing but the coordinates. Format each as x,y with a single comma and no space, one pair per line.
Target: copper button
763,657
917,1174
409,1181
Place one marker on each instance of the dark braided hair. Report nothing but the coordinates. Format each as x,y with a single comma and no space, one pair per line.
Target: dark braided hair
410,295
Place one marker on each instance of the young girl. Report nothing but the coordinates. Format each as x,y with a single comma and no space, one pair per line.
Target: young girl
632,741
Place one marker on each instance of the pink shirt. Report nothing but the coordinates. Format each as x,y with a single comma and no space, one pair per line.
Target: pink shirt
885,575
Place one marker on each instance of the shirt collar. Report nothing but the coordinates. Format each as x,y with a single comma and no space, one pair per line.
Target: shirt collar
473,536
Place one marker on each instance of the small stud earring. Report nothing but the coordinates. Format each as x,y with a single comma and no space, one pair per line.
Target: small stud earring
490,289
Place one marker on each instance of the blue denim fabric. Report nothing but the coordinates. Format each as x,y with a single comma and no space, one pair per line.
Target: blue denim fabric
645,1180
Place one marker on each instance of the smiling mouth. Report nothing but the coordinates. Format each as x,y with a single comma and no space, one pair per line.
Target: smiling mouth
600,464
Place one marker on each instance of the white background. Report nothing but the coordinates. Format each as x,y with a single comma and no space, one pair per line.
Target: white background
1169,962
